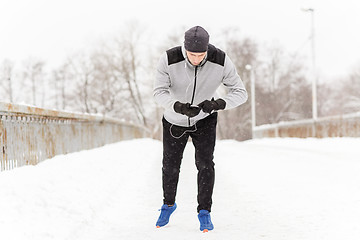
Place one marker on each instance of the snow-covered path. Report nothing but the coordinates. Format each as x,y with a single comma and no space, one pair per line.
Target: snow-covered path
265,189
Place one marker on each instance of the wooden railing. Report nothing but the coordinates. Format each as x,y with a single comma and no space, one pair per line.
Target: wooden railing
336,126
29,135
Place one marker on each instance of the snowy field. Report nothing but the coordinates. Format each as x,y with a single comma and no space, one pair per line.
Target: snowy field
278,189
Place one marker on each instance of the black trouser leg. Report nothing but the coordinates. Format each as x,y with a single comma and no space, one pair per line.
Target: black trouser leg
173,149
204,141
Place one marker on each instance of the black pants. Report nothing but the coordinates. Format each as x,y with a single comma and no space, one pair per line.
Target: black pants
173,148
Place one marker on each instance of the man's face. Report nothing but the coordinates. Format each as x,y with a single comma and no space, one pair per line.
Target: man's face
195,58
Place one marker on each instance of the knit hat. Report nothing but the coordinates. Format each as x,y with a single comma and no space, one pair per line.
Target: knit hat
196,39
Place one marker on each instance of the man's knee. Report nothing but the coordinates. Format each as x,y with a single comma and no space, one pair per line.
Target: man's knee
205,164
171,170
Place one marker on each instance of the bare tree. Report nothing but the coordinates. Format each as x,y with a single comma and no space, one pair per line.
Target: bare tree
236,123
330,101
34,75
351,90
83,70
109,79
123,58
62,77
340,96
283,92
108,87
6,76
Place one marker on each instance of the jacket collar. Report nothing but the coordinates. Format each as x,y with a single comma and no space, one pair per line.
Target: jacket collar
187,60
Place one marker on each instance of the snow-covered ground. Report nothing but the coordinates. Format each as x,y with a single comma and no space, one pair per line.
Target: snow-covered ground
288,189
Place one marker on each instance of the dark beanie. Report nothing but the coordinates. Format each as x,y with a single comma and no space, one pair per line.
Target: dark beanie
196,39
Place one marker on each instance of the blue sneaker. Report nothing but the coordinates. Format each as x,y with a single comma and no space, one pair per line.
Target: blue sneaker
205,221
166,211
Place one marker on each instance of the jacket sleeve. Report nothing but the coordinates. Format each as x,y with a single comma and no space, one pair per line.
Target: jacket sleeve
237,93
162,84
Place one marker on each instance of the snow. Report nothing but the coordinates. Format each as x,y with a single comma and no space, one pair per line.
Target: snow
265,189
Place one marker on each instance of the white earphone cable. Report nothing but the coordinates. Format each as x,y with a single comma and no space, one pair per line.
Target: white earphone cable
187,89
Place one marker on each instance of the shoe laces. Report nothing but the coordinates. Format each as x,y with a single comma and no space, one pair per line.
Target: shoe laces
165,207
205,217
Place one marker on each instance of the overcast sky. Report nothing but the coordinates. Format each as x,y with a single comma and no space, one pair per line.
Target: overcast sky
52,29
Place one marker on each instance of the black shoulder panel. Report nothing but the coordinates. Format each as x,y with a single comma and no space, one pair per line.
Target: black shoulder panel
215,55
175,55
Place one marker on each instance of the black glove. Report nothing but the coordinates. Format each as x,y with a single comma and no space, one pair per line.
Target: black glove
213,105
186,109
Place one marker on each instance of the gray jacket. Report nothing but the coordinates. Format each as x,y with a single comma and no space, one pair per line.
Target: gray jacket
178,80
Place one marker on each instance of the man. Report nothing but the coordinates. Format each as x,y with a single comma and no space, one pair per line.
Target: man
185,85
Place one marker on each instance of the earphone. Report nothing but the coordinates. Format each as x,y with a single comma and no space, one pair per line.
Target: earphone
186,131
187,89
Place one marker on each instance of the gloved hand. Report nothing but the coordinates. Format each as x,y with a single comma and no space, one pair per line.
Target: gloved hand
186,109
213,105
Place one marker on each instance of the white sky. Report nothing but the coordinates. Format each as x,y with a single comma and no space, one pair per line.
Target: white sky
51,30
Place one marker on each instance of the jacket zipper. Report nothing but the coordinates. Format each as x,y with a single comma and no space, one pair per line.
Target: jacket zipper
193,94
